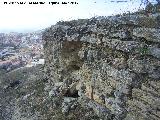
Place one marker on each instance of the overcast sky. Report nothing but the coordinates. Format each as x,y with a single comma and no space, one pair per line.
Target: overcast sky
26,18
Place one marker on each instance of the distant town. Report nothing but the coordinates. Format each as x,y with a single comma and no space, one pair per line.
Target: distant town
20,50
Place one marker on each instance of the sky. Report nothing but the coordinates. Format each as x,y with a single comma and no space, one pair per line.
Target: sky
29,17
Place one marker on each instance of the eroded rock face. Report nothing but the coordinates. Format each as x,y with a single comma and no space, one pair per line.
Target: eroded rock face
113,63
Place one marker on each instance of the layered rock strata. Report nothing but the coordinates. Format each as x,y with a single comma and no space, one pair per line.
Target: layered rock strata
113,63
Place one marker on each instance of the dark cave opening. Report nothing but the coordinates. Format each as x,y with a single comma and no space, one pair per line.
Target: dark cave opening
68,93
74,67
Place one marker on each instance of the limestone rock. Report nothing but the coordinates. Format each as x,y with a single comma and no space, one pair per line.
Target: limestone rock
150,34
68,104
110,63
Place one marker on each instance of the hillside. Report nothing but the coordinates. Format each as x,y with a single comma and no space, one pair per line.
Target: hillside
102,68
112,64
24,96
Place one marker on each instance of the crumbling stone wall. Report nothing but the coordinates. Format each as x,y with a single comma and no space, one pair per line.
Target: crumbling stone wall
113,62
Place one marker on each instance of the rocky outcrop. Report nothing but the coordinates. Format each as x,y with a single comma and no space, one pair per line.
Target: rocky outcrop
113,63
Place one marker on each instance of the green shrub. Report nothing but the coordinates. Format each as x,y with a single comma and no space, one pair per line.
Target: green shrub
143,50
